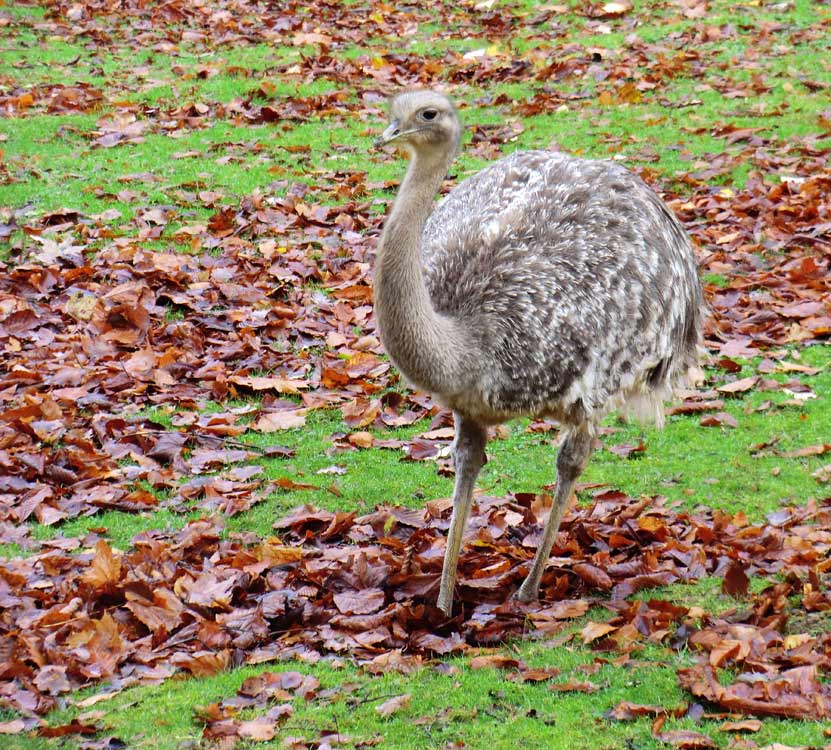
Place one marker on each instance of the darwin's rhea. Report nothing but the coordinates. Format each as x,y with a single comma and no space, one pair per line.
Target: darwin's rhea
544,285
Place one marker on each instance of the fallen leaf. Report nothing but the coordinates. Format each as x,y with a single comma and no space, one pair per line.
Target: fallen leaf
685,739
359,602
627,450
15,726
573,686
822,474
736,582
720,419
393,705
259,729
494,661
738,386
280,420
594,630
808,450
281,385
747,725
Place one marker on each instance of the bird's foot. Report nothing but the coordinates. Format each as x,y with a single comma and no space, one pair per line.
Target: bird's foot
528,592
445,603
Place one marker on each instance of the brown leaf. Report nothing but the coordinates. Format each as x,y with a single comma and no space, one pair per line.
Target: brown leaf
280,420
73,727
574,686
626,711
795,694
808,450
627,450
594,576
361,412
284,483
685,739
15,726
206,664
567,610
260,729
360,439
594,630
302,38
494,661
361,602
738,386
281,385
822,474
748,725
721,419
393,705
52,679
105,569
735,581
695,407
539,675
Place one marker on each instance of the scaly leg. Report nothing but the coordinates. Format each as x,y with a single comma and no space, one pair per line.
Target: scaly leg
572,459
468,457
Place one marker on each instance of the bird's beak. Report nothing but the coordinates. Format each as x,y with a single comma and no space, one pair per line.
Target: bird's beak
390,134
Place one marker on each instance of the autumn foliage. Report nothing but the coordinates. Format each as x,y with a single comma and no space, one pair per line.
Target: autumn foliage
268,301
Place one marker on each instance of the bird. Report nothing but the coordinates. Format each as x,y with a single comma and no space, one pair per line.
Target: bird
544,285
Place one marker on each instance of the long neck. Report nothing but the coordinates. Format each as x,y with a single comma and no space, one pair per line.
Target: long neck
427,347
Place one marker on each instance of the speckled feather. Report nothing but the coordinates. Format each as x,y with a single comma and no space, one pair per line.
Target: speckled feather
577,282
543,285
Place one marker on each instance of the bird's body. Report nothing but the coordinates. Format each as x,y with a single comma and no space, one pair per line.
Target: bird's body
577,282
543,285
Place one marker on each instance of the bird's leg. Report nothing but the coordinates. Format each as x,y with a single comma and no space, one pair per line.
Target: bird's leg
468,457
572,459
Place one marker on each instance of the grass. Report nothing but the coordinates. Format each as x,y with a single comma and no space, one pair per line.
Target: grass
690,465
53,163
454,704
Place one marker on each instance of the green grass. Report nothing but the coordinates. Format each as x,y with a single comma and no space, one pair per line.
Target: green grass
53,164
675,135
476,707
691,465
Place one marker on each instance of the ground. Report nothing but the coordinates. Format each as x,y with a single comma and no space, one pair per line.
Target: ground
189,207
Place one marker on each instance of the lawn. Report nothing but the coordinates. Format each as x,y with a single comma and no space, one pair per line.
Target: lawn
189,207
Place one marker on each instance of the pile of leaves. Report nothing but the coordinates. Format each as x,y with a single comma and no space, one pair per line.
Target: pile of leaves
771,239
91,340
334,583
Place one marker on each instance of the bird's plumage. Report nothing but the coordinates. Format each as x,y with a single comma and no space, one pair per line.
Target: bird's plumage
578,283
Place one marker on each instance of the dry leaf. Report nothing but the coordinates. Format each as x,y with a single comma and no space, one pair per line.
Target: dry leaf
747,725
594,630
494,661
281,385
393,705
280,420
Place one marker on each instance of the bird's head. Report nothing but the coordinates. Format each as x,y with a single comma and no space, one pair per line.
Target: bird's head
423,122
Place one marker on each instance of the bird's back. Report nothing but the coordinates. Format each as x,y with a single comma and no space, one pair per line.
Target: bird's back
578,282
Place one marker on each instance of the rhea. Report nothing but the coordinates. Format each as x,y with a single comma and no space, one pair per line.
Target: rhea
544,285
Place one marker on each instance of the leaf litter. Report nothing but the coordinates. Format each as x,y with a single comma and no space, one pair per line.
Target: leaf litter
269,299
339,584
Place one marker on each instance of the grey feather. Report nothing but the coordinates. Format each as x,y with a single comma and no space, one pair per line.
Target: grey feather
579,284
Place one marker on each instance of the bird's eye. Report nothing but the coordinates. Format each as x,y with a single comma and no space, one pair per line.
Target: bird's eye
429,114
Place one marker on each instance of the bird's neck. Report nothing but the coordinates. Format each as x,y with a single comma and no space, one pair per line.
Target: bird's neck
427,347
